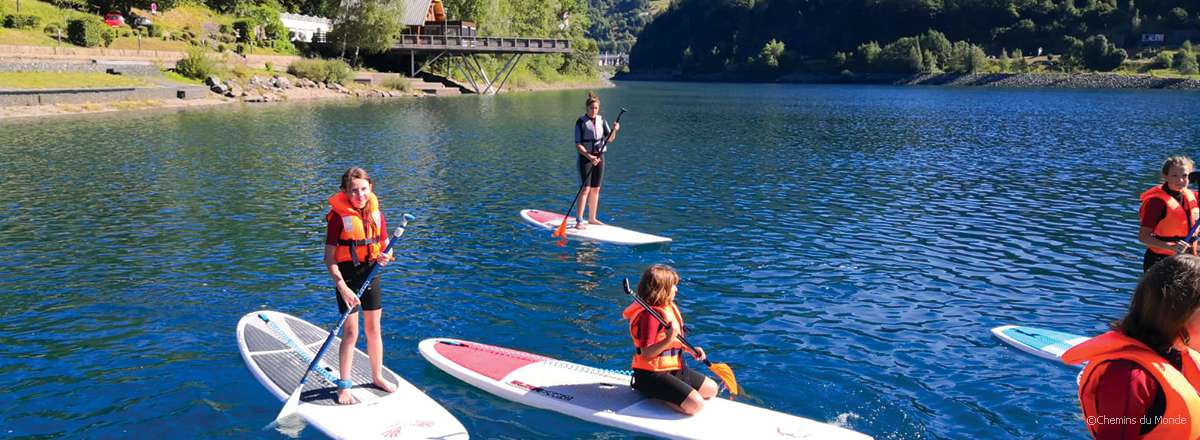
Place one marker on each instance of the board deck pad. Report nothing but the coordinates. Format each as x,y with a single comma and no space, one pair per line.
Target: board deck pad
603,233
1043,343
278,348
605,397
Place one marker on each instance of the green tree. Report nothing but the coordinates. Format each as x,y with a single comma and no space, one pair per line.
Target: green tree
770,54
1100,55
1072,57
1019,65
865,56
370,25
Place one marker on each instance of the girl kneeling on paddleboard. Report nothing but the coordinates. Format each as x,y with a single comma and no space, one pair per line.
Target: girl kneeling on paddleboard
1141,377
658,368
1168,213
355,237
592,136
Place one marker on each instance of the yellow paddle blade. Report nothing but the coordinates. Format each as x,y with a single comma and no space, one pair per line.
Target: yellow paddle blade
726,374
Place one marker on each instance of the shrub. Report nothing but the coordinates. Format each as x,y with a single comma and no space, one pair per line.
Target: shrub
52,29
196,64
1186,64
21,21
331,71
108,35
86,32
1161,61
245,30
269,66
397,83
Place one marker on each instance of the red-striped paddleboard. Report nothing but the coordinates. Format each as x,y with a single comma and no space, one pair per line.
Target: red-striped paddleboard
605,233
604,396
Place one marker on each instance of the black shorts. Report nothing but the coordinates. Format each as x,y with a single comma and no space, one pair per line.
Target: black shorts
585,166
1150,258
371,299
672,386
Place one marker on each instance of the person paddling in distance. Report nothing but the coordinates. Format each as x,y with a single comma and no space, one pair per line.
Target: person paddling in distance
592,137
1168,213
1141,378
659,371
355,237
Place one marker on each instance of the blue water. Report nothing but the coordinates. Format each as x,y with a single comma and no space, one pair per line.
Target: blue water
845,249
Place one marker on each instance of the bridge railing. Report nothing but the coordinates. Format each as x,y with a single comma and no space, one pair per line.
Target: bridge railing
484,42
473,42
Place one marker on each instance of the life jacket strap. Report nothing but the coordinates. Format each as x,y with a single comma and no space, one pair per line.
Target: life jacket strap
354,244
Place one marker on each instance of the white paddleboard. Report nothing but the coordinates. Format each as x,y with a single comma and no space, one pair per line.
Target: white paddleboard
1046,344
278,347
605,233
605,397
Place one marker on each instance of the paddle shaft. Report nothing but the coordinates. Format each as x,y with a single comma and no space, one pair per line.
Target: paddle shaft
661,321
363,288
586,177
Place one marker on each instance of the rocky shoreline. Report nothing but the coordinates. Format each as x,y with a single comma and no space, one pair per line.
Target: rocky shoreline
1006,80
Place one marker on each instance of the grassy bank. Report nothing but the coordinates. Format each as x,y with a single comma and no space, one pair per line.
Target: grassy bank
65,80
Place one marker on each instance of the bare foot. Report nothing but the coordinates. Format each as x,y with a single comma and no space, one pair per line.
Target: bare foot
595,222
579,226
384,385
344,397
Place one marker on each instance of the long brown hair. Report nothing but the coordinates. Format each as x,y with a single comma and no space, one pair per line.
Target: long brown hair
655,286
354,173
1164,301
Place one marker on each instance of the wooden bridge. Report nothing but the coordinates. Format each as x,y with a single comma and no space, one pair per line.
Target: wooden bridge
458,46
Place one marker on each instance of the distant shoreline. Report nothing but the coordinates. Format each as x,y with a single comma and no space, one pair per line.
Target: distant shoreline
31,112
1004,80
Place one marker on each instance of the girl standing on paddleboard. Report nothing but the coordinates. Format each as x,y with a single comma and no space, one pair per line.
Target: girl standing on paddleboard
1168,213
658,368
592,136
1141,378
355,238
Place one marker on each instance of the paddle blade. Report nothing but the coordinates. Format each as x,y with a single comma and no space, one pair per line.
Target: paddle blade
562,240
288,411
726,374
561,231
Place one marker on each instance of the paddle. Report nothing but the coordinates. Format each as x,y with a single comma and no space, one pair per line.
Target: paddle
293,401
561,231
721,370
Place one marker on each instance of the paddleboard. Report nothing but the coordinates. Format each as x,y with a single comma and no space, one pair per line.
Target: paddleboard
605,397
604,233
1046,344
278,347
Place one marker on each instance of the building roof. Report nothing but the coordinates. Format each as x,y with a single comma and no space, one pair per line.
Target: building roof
304,18
413,14
415,11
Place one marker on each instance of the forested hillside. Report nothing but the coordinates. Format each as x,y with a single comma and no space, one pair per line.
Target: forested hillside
616,23
780,36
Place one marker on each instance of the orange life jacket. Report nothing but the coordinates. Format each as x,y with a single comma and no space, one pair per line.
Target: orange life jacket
1181,419
669,359
1179,219
361,238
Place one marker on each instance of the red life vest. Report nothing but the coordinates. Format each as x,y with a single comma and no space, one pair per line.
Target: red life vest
1179,219
1181,419
361,238
669,359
